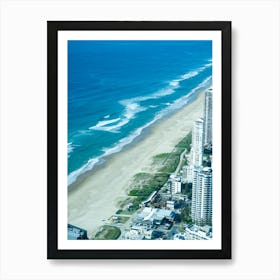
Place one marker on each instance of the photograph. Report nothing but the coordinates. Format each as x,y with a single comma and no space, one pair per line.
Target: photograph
139,116
140,140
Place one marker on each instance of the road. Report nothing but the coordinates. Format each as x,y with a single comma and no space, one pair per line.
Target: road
180,162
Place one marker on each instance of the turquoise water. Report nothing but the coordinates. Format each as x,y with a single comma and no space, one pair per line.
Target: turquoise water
116,89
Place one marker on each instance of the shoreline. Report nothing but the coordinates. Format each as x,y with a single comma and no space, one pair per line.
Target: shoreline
94,197
81,177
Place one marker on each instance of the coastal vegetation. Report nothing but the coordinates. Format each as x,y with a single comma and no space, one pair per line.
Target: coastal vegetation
144,184
160,158
122,219
129,211
108,233
171,160
185,143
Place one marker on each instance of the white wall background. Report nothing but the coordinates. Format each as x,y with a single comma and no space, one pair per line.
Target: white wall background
255,139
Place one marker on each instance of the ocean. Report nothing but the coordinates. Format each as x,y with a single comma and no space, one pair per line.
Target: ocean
117,89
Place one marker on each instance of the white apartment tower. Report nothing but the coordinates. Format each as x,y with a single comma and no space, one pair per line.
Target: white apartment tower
175,184
201,211
208,117
197,142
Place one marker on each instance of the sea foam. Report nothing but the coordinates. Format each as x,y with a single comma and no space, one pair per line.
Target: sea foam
131,109
177,104
101,124
70,148
132,106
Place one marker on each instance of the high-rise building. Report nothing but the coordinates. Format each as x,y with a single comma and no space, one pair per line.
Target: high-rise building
197,142
175,184
201,211
208,117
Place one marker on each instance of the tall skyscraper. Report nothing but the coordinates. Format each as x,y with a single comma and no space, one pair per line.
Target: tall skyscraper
197,142
201,211
208,117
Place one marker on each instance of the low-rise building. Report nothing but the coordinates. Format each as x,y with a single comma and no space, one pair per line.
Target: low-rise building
133,234
75,233
196,233
170,204
156,216
179,236
175,184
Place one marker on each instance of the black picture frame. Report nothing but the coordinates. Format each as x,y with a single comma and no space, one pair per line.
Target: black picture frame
52,192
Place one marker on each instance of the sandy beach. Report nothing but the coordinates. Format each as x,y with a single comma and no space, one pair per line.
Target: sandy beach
97,198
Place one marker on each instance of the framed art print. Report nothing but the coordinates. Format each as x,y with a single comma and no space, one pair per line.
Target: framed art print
139,140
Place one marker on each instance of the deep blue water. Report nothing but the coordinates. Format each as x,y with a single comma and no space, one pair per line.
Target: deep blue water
116,88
